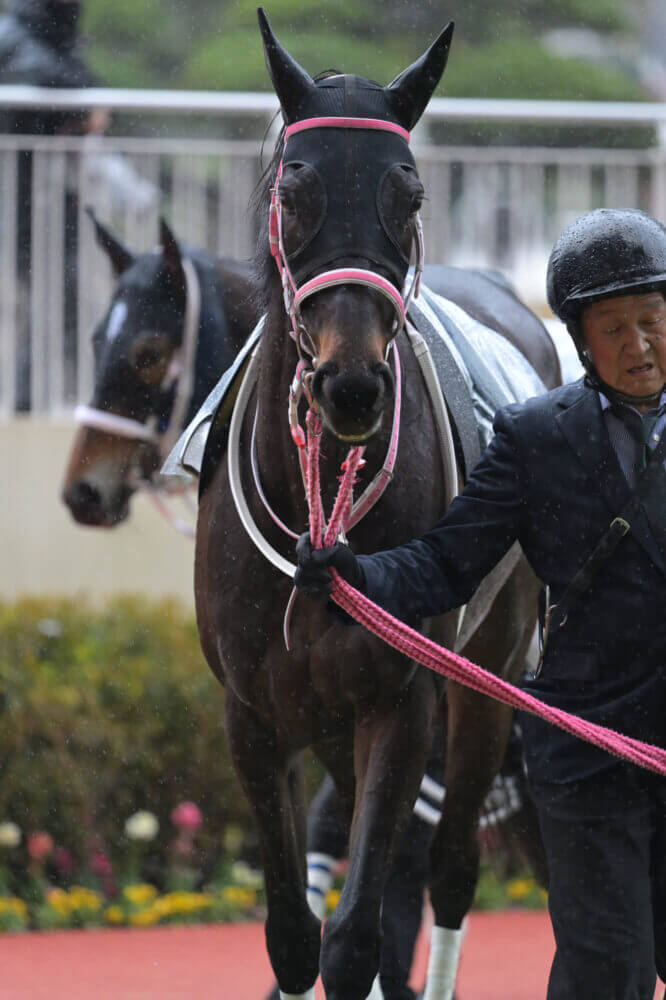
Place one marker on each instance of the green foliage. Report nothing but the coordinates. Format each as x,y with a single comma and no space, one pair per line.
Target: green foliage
496,893
482,21
520,68
104,713
236,62
216,42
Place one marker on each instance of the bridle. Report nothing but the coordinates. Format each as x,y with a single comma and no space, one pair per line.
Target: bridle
180,378
294,296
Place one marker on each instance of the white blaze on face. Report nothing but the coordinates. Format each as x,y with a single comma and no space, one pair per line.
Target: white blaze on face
117,317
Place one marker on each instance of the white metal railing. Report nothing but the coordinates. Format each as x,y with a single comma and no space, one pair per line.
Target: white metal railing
224,103
496,206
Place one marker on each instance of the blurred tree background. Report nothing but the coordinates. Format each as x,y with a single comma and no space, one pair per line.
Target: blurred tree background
500,50
543,49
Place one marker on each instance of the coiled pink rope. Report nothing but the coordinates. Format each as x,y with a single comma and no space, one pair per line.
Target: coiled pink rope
417,647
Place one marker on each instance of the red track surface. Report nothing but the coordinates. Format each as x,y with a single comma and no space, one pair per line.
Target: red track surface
505,956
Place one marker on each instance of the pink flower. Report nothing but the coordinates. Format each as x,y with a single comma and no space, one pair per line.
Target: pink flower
63,861
187,817
39,845
101,865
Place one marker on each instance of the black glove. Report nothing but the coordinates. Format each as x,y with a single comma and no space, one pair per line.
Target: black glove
313,575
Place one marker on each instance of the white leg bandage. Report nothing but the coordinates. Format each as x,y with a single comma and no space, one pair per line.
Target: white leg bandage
443,963
320,880
376,991
298,996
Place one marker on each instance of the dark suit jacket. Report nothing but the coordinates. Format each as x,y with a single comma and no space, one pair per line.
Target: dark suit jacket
551,480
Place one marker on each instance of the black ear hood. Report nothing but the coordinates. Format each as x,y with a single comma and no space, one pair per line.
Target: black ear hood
351,164
402,102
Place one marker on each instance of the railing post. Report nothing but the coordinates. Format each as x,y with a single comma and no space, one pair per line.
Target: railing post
659,183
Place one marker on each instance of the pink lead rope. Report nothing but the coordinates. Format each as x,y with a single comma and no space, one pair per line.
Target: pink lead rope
417,647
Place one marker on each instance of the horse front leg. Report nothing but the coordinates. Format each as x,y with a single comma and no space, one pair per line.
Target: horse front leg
477,735
273,790
390,752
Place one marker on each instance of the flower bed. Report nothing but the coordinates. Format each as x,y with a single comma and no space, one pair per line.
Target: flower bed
118,804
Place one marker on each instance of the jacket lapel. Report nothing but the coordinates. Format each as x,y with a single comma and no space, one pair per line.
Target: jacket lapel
581,422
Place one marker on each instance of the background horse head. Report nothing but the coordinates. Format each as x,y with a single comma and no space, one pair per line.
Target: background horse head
175,322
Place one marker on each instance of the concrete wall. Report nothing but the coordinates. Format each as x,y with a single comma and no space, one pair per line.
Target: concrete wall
43,551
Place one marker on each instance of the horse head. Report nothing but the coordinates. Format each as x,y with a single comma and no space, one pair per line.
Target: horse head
136,349
344,223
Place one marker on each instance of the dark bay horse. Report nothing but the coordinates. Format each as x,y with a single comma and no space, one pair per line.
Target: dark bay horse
138,349
347,203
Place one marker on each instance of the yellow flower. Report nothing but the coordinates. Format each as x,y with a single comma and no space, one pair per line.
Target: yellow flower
81,898
144,918
11,904
114,915
59,901
140,894
519,888
245,898
332,899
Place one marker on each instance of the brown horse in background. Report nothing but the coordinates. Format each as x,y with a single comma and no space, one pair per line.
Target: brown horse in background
135,345
366,712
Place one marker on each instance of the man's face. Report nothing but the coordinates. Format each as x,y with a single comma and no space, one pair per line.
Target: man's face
626,340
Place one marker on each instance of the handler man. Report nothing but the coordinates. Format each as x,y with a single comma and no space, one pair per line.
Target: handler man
559,470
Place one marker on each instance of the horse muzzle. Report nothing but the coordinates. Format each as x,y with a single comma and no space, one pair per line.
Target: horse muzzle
88,505
352,405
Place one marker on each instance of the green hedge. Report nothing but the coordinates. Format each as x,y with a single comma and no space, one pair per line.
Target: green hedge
106,712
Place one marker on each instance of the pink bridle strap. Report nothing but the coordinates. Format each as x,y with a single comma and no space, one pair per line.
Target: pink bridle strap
294,296
353,276
375,124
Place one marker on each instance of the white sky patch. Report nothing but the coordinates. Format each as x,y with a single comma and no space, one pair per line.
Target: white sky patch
117,317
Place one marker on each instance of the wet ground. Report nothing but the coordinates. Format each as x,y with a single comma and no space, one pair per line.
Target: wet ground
505,956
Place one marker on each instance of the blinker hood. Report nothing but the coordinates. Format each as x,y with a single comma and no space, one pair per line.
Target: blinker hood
351,167
351,164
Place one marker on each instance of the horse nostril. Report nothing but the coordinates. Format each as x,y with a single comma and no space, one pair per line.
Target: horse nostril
354,394
83,498
324,371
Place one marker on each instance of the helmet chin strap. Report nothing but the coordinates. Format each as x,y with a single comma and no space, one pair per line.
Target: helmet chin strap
615,395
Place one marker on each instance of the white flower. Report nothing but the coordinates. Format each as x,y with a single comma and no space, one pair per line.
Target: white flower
242,874
10,835
142,826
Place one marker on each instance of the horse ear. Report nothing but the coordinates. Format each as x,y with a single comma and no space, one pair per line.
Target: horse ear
411,91
171,255
121,258
290,81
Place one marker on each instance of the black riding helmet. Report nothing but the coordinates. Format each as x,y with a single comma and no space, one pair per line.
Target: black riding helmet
603,254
